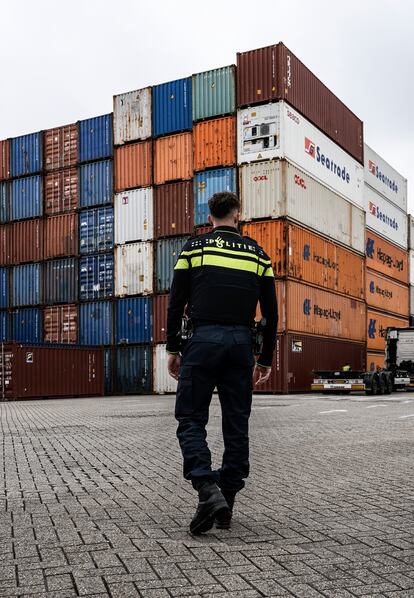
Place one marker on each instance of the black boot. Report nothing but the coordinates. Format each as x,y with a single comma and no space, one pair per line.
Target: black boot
223,518
210,504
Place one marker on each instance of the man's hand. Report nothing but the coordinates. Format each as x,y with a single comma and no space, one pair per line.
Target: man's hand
261,374
174,364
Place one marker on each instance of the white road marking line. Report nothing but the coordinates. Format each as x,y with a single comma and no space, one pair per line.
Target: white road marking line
334,411
375,406
409,401
405,416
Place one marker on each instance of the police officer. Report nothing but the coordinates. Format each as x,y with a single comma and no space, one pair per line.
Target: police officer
218,279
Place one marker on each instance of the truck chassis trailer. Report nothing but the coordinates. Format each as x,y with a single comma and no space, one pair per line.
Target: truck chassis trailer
382,382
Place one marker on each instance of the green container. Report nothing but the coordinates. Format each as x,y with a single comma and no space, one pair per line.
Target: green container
214,93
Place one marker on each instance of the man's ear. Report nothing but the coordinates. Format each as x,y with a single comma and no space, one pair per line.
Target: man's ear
210,220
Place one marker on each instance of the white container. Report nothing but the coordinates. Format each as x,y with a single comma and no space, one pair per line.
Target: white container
277,131
132,116
134,215
410,231
384,178
277,189
384,218
134,271
162,380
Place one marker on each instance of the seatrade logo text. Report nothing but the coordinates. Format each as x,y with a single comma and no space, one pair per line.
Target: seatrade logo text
376,211
326,161
375,171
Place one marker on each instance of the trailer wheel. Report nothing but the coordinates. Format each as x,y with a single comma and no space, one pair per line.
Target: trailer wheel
382,385
374,384
389,384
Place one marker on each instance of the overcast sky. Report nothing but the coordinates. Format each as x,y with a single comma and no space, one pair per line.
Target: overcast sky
61,60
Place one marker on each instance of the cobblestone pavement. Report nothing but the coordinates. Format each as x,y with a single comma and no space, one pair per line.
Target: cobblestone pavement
92,502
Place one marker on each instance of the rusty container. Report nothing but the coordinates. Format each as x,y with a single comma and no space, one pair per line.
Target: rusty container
25,241
133,166
159,307
375,361
377,324
5,244
384,257
61,236
60,324
60,147
203,230
387,295
215,143
173,158
4,159
173,209
61,191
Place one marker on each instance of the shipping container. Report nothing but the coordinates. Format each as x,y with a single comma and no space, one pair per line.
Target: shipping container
276,189
61,236
96,323
384,178
4,287
384,257
172,107
411,300
133,370
385,219
26,325
132,116
173,209
61,147
24,241
109,370
26,198
215,143
274,73
203,230
134,215
61,191
387,295
162,381
411,266
214,93
298,253
133,320
5,326
95,184
61,281
4,159
95,138
159,308
26,285
5,231
206,184
173,158
30,371
168,251
4,202
133,166
26,154
96,277
410,231
377,324
96,230
60,324
277,131
375,361
134,269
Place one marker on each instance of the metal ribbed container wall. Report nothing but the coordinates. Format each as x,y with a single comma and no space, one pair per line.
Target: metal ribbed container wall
206,184
173,209
172,107
109,370
203,230
374,361
95,138
159,308
133,323
4,326
134,215
274,73
61,236
173,158
96,230
26,198
387,295
134,269
61,191
385,218
168,251
5,245
132,116
4,287
26,154
4,159
61,147
60,324
26,285
4,202
214,93
133,166
377,324
95,184
162,380
385,179
61,281
25,241
133,370
384,257
26,325
96,277
96,323
215,143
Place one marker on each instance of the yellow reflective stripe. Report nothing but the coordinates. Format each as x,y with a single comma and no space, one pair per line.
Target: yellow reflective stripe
269,272
182,264
228,262
192,252
236,252
195,261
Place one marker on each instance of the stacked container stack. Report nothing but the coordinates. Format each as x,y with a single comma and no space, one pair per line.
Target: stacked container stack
4,209
411,265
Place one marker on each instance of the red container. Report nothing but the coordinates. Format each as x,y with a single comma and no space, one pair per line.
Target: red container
274,73
173,209
30,371
61,236
4,244
61,147
4,159
61,191
60,324
203,230
25,242
160,305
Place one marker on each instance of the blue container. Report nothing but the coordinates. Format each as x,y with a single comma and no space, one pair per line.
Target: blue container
4,326
61,281
108,371
96,230
172,107
168,251
4,202
96,277
95,184
26,198
133,322
95,327
133,370
4,287
26,154
27,285
27,325
95,138
207,183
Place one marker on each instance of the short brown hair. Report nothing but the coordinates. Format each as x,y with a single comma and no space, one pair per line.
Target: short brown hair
222,204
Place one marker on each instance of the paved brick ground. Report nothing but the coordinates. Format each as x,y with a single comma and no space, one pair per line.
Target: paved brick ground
92,502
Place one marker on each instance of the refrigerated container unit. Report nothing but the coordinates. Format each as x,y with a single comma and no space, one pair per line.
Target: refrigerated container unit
133,370
96,323
167,254
26,198
133,165
173,209
61,279
172,107
95,184
61,191
384,179
133,320
132,116
96,230
60,147
95,138
96,277
214,93
206,184
385,219
134,215
26,154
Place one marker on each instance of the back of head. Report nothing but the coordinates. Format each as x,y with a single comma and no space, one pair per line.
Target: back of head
223,205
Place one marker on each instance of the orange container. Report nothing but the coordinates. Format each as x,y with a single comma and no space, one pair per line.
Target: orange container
377,324
173,158
215,143
61,236
4,159
303,255
133,166
60,147
387,295
60,324
61,191
375,360
386,258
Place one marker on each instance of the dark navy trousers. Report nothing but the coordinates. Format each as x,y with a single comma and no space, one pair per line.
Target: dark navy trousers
216,356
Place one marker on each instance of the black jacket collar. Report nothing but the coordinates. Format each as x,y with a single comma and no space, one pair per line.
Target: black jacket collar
226,229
